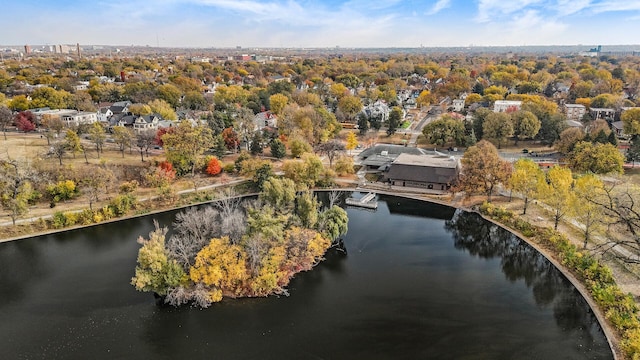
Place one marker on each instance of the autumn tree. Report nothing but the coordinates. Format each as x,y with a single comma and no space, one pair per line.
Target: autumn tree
163,108
16,188
72,142
588,191
25,121
244,125
123,137
97,135
424,99
631,121
524,180
185,146
478,121
306,172
277,102
525,125
6,118
155,271
620,201
556,192
352,141
257,170
483,169
140,109
497,127
299,146
59,150
445,130
231,139
214,167
596,158
350,106
568,140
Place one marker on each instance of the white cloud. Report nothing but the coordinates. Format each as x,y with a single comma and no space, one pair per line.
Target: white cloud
616,5
568,7
491,8
438,6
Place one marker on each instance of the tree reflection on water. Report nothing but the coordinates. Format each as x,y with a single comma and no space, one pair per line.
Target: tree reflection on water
521,262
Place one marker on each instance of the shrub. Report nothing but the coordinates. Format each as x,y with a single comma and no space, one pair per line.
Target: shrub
344,165
128,187
229,168
121,204
62,191
58,221
213,167
86,217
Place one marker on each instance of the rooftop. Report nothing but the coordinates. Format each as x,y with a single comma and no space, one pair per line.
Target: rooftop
427,160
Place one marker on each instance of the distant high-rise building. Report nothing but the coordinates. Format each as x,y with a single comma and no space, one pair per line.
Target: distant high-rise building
27,49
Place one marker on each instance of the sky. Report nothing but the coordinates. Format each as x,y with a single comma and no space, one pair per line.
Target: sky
316,23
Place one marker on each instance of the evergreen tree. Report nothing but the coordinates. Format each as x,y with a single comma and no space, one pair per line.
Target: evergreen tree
633,152
363,123
613,139
395,117
256,144
278,150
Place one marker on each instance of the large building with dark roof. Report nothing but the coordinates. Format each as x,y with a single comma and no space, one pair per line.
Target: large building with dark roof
379,157
435,172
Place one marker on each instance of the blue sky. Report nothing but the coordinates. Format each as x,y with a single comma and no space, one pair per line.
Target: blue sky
315,23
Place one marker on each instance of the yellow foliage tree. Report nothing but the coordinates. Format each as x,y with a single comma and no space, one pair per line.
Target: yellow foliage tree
352,141
525,178
221,267
556,192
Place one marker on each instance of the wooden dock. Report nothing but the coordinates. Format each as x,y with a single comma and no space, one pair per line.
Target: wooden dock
368,201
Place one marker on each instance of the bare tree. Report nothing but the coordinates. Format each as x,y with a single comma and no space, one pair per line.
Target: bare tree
194,228
621,202
5,119
59,149
334,197
144,141
331,148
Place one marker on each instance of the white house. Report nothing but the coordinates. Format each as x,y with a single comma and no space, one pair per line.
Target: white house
378,109
79,118
265,119
146,122
574,111
507,105
458,105
104,114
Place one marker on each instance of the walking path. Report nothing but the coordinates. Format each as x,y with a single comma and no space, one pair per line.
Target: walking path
186,191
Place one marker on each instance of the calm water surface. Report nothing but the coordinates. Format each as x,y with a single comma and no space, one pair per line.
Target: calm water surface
418,281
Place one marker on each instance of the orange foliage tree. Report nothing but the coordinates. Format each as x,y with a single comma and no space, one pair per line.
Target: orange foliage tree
213,167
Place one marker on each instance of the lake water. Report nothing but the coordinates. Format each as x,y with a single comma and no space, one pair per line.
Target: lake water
419,280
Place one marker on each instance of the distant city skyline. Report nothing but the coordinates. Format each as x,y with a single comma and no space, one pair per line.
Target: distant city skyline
314,23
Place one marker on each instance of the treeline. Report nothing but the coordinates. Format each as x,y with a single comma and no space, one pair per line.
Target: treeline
607,210
239,248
